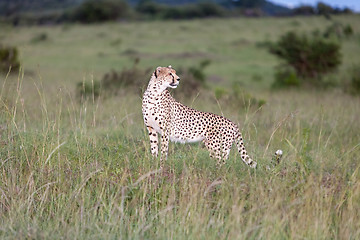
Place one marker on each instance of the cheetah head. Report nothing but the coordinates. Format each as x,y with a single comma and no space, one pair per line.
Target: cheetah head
166,77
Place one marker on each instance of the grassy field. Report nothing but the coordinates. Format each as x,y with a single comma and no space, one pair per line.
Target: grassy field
83,170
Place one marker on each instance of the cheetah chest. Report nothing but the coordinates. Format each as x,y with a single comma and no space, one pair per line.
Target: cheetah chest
153,122
153,116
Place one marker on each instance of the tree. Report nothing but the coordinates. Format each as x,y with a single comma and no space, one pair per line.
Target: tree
100,10
324,9
247,3
310,57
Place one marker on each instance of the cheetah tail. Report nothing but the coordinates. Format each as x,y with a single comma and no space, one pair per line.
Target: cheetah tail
243,153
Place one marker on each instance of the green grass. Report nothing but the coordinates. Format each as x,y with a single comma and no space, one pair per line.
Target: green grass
84,170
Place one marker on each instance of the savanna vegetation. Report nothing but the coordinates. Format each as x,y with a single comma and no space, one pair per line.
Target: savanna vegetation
39,12
75,161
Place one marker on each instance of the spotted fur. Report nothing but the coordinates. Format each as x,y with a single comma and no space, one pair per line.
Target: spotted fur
176,122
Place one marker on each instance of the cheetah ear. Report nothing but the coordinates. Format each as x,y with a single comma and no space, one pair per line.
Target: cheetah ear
170,66
157,71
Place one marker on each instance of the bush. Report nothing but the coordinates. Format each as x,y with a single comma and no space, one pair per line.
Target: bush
149,8
285,77
354,85
199,10
92,11
195,79
9,59
88,90
40,37
338,30
304,10
237,97
348,30
310,57
134,79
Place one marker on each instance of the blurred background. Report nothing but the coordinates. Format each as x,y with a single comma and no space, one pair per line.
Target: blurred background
255,45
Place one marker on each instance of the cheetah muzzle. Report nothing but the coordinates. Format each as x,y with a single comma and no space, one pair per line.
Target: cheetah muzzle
176,122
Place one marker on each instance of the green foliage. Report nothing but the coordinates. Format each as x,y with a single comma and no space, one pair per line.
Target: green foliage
304,159
189,11
9,59
133,79
194,79
220,92
247,3
304,10
348,30
73,170
324,9
87,90
149,7
198,71
285,76
40,37
237,97
20,12
353,84
338,30
320,9
311,57
92,11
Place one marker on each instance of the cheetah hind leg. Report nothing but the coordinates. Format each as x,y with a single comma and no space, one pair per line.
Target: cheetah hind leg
243,153
213,153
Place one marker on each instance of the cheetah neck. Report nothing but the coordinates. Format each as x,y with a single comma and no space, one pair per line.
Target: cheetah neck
155,87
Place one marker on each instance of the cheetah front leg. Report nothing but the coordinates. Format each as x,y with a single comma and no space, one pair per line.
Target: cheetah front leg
153,141
164,148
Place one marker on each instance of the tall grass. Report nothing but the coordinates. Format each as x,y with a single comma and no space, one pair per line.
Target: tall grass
83,169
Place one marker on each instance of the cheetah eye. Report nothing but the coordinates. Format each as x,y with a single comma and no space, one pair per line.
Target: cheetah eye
170,74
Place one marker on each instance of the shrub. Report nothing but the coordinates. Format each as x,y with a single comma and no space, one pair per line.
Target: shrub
353,86
237,97
198,71
220,92
304,10
40,37
324,9
285,77
88,90
9,59
195,79
348,30
149,8
338,30
92,11
133,78
199,10
310,57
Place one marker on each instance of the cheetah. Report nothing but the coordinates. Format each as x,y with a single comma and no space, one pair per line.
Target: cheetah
176,122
